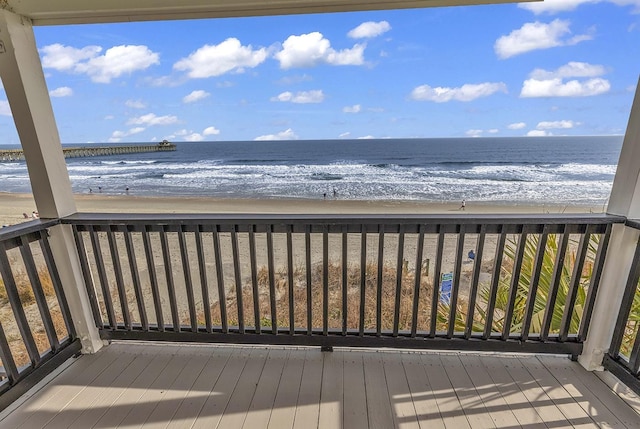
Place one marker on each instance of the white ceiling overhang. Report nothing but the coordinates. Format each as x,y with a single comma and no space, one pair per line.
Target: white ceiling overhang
57,12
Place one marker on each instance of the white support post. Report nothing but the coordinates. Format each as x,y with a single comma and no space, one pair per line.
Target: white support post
624,201
26,89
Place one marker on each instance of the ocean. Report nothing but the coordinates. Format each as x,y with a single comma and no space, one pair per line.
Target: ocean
525,170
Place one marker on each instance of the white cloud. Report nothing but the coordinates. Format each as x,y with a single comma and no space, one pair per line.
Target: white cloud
493,131
309,50
301,97
66,58
543,83
195,96
555,6
194,137
517,126
571,69
109,117
63,91
5,110
117,136
115,62
283,135
369,137
474,133
538,133
345,135
556,125
536,35
558,88
356,108
369,29
152,119
211,131
467,92
216,60
135,104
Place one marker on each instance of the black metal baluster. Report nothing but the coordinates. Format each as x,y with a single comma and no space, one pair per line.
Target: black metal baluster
38,293
555,285
574,284
399,275
453,304
238,278
473,292
535,280
435,298
117,268
102,276
204,283
495,281
188,282
594,284
379,282
153,279
418,282
173,303
515,283
135,277
222,298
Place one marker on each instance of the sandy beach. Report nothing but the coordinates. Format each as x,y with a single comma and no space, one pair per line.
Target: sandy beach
12,206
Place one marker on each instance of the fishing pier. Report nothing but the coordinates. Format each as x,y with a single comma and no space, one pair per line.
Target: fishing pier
86,151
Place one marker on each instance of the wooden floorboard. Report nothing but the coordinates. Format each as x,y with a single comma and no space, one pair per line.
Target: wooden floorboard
150,385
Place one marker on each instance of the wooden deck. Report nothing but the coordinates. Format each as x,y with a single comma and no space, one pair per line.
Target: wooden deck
131,385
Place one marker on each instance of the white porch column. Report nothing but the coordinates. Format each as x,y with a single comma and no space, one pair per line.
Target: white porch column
624,201
26,89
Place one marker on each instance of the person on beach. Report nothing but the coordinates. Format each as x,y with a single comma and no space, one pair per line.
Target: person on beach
464,204
34,214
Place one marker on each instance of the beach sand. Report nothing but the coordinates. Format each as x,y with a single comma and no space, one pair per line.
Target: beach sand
12,206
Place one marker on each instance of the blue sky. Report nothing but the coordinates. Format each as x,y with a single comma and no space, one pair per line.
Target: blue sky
562,67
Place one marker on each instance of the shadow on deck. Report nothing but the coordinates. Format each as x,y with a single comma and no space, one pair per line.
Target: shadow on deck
138,384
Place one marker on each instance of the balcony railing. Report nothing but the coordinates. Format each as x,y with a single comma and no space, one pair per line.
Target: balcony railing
36,330
623,358
500,283
484,283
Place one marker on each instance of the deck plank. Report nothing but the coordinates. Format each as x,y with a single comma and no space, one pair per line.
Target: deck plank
156,393
131,396
511,393
403,410
211,412
355,394
284,406
331,391
308,407
66,386
422,396
448,403
196,398
100,398
166,409
536,396
236,411
260,408
207,386
69,410
567,405
378,403
472,405
590,392
488,393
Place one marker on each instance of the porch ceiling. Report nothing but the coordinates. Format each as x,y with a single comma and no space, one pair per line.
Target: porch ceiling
100,11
